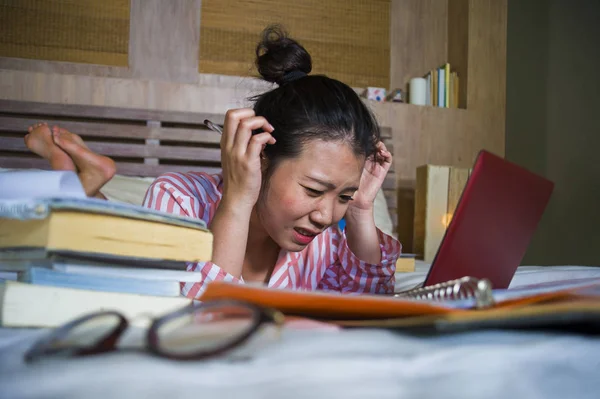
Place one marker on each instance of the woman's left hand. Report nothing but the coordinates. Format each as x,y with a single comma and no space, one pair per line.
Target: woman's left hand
372,177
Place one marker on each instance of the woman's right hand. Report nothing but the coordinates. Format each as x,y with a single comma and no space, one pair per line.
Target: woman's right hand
240,156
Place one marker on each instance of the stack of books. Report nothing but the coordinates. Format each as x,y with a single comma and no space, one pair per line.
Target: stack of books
63,255
442,87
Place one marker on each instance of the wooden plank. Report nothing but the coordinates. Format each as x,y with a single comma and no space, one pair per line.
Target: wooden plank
13,144
197,154
141,170
115,113
94,129
33,162
124,168
191,135
116,130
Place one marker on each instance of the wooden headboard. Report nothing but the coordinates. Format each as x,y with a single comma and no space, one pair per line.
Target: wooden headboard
142,143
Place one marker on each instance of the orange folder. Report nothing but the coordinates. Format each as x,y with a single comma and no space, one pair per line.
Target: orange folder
334,306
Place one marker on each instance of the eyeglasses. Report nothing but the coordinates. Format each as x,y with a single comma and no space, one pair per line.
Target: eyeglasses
194,332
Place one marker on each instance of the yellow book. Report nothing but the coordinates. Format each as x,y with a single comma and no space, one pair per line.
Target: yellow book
106,228
447,78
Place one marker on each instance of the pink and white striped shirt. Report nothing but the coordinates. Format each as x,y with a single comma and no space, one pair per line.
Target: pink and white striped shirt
327,263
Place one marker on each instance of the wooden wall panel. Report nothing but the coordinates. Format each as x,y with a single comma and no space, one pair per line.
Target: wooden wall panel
487,74
422,34
458,44
347,39
418,38
164,40
471,35
85,31
214,97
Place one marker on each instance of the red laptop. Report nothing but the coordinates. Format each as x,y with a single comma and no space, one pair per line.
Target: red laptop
497,214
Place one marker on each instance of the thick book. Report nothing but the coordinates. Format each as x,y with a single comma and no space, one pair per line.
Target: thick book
56,219
32,305
71,262
107,283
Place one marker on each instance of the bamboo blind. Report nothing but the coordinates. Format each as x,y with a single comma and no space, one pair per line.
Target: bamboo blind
348,39
85,31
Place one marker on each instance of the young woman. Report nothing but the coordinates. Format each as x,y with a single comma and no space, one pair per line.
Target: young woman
306,155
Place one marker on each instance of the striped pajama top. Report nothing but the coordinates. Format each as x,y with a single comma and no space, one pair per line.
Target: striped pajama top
327,263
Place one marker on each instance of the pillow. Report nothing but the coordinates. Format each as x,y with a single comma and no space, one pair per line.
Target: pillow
127,189
132,190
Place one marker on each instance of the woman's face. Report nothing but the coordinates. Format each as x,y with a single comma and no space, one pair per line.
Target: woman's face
309,193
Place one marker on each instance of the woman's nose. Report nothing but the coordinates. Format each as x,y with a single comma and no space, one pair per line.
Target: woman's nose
322,215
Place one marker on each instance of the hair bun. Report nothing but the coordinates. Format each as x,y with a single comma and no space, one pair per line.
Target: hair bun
277,55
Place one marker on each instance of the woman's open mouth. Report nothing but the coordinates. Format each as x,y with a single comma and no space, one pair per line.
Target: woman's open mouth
303,236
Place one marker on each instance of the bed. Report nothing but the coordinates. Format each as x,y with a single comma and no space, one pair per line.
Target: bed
311,361
324,362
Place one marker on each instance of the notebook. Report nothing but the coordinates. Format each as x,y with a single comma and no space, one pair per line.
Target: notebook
496,216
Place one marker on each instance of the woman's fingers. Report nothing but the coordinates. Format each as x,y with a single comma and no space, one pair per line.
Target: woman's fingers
384,153
257,143
233,117
244,133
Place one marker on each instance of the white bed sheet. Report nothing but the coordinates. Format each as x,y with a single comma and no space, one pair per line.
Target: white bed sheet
525,275
333,364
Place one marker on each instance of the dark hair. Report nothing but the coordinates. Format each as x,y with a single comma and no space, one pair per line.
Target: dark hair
308,107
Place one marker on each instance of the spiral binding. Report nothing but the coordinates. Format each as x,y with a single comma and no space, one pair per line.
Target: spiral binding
463,288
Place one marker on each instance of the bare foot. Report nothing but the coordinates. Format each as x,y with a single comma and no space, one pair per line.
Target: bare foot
95,170
39,141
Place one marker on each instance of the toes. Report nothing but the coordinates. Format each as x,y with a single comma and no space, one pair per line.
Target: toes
29,129
56,137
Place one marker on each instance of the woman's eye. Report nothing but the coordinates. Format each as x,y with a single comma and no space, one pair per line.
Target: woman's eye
313,192
346,198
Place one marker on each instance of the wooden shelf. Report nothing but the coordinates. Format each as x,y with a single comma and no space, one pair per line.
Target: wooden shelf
385,110
471,36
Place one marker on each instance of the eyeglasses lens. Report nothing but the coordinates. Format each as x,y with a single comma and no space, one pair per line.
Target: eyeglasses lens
206,329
